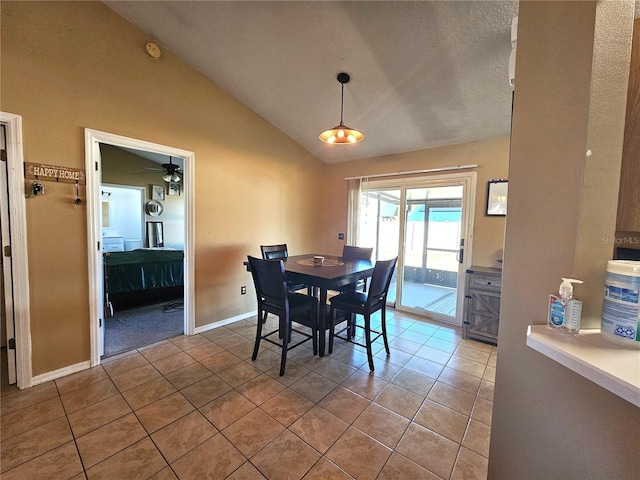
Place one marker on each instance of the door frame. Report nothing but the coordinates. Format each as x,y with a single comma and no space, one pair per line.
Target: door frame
468,180
19,252
93,139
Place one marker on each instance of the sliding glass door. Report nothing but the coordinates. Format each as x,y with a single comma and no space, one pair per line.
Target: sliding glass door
430,251
425,223
379,226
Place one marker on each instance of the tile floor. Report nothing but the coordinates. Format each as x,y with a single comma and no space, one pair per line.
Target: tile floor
198,407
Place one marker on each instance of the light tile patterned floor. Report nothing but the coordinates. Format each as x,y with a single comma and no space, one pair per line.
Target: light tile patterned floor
198,407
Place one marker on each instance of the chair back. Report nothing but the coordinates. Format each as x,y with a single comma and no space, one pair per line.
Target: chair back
271,252
356,253
380,280
269,281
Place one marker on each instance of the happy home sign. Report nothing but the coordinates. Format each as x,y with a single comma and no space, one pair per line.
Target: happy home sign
54,173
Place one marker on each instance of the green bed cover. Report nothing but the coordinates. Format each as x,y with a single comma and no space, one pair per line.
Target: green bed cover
143,270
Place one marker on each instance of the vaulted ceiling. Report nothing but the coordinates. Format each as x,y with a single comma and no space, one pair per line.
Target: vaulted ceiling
423,74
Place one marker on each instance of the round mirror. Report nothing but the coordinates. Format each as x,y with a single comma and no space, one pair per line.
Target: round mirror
153,208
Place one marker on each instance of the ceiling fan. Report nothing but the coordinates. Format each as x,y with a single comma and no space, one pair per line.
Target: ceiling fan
171,171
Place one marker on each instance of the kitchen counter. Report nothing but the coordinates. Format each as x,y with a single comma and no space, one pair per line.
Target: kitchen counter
589,354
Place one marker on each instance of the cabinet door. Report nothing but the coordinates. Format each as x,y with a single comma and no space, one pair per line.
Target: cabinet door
629,198
483,314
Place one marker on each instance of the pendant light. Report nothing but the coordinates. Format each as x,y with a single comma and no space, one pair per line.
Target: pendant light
341,134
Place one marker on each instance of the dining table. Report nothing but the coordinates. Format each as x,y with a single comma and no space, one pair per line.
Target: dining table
334,273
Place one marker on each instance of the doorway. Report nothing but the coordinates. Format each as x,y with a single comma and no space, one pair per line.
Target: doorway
93,160
427,222
136,317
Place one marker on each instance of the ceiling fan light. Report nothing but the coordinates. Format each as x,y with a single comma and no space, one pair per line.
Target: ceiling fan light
166,177
175,178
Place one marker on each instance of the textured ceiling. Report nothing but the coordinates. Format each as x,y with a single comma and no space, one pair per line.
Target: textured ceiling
423,74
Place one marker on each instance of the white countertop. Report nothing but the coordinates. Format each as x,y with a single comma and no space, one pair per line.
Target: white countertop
589,354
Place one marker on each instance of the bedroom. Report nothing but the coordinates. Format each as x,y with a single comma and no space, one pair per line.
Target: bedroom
143,245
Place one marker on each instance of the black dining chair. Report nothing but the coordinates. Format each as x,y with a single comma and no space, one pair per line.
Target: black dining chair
275,252
350,252
274,297
364,304
278,252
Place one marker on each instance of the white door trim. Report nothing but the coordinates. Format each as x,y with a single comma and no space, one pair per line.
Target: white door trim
20,264
93,138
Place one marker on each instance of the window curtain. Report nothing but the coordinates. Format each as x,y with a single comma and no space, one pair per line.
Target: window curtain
353,210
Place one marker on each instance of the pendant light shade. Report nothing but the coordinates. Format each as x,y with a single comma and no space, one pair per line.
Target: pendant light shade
341,134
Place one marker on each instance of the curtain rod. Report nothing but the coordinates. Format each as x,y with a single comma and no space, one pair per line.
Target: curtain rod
413,172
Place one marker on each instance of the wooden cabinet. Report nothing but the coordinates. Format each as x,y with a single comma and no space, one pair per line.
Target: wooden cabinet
629,198
482,304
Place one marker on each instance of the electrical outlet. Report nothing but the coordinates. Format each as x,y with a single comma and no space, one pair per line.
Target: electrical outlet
243,290
341,236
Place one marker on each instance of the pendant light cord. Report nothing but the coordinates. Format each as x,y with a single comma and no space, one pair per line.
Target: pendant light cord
341,104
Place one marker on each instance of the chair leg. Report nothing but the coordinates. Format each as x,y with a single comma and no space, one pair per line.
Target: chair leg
266,314
286,335
332,328
383,316
367,334
256,347
351,332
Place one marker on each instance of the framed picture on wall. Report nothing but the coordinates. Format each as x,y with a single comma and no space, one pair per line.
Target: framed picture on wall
174,189
497,197
157,192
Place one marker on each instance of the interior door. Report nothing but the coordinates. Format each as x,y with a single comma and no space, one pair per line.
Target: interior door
5,260
106,309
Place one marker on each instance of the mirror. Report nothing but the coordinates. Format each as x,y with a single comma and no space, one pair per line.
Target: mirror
154,208
155,234
105,214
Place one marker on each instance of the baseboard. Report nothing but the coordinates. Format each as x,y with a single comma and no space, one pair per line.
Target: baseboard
78,367
62,372
226,321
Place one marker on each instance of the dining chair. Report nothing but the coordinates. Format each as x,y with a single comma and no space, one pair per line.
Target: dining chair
350,252
274,296
364,304
280,251
276,252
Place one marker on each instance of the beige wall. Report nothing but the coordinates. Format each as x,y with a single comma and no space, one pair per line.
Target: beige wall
67,66
549,422
491,156
70,65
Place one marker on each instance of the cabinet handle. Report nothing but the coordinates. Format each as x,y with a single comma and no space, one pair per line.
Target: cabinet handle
467,323
467,296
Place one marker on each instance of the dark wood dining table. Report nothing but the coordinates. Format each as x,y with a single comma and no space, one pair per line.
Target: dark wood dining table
334,274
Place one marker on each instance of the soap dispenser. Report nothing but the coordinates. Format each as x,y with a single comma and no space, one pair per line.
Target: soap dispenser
564,310
573,307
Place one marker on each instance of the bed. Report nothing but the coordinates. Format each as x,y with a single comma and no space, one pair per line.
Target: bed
142,274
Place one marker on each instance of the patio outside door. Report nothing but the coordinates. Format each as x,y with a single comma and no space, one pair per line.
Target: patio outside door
431,251
424,222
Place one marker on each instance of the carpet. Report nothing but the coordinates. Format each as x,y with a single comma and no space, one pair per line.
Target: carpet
137,327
